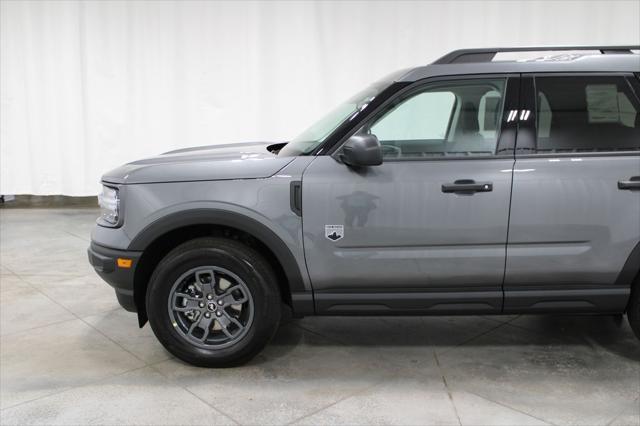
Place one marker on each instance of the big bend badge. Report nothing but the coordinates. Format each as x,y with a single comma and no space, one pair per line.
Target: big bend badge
334,232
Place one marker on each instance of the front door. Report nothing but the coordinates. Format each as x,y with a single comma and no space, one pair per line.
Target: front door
426,231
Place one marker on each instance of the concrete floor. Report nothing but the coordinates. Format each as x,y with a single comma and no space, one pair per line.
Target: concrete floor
70,355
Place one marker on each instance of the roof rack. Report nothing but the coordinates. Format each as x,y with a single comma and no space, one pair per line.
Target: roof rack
486,55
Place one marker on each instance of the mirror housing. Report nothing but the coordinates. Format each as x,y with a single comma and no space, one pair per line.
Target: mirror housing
362,151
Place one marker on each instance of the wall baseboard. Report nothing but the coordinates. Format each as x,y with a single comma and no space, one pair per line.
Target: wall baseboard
47,201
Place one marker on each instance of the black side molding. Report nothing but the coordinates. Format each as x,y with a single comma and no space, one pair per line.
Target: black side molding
606,299
409,303
295,199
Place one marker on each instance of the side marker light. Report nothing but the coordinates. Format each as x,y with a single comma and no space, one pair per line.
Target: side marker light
124,263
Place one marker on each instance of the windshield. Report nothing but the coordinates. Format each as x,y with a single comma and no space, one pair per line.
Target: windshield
311,138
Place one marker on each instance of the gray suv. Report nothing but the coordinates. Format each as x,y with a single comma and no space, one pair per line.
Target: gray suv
478,184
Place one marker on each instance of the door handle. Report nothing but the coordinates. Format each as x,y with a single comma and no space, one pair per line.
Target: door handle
633,183
467,186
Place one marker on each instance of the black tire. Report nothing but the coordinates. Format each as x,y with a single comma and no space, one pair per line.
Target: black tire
233,256
633,308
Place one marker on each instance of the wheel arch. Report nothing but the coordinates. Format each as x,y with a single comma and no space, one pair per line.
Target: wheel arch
630,273
631,268
161,236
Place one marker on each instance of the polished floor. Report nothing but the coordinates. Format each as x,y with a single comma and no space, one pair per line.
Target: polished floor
70,355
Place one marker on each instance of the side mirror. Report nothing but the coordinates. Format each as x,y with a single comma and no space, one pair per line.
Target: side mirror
362,151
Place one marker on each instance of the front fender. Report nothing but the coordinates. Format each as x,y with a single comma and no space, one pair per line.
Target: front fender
210,216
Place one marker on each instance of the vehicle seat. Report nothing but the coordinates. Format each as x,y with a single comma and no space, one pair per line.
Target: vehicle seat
468,137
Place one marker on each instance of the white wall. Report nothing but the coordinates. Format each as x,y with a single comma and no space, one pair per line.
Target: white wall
86,86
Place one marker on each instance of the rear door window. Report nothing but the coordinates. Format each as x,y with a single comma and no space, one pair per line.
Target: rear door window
585,114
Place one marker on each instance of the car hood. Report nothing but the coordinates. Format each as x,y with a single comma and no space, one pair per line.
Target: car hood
216,162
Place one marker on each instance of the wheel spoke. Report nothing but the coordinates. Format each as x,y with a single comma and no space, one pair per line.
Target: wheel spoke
228,298
236,322
192,302
186,296
204,323
206,279
193,327
225,321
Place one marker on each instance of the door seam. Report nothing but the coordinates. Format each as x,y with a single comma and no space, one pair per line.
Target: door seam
506,243
304,249
513,168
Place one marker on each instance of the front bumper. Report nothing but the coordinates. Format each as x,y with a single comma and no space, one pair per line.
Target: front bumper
105,261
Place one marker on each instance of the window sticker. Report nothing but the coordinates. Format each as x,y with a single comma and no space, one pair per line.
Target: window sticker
602,103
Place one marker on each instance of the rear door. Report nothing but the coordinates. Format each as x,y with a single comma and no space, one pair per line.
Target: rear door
575,209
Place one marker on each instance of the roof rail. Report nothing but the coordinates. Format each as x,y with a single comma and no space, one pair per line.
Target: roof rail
486,55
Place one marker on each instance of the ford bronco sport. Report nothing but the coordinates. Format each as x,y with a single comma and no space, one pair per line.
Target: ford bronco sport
478,184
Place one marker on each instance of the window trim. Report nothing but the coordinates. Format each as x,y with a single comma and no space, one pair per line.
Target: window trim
454,108
336,138
529,129
634,82
506,138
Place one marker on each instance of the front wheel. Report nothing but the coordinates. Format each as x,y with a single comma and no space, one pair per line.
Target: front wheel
213,302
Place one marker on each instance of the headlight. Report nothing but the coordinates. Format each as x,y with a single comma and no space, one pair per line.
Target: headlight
109,206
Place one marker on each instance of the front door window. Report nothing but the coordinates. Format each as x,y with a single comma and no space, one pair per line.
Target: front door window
454,119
